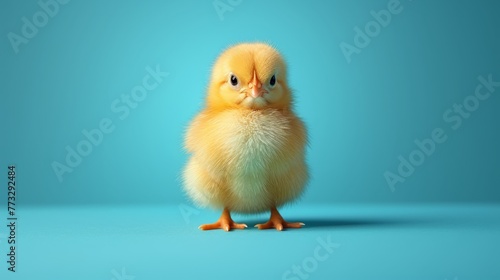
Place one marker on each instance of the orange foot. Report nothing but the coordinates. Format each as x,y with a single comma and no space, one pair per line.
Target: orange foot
277,222
225,222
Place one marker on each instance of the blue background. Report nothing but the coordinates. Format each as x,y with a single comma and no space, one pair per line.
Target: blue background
361,115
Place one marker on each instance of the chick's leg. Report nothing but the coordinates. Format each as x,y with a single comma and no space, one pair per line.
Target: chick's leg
277,222
225,222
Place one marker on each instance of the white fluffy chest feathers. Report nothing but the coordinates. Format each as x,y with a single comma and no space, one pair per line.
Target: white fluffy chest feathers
252,139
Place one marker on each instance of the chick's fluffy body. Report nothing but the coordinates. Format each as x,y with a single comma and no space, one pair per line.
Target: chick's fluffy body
247,155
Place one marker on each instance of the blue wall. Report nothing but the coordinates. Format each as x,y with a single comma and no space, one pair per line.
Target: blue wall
365,97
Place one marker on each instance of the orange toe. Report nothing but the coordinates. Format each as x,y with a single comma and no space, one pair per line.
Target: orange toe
279,225
225,226
277,222
225,222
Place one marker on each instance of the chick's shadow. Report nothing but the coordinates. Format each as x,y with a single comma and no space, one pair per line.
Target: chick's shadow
348,222
356,222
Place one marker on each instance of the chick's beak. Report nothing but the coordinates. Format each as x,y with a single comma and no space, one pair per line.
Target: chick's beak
256,87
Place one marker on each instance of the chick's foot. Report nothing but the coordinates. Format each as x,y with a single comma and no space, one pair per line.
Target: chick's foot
277,222
225,222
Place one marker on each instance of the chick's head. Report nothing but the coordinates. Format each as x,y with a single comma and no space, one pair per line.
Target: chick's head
249,75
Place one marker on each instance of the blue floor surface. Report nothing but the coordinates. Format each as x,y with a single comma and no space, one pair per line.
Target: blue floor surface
454,242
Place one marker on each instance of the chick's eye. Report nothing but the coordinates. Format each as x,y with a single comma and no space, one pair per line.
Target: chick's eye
272,82
233,80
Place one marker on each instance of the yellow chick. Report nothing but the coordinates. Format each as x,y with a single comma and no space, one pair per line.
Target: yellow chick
247,146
